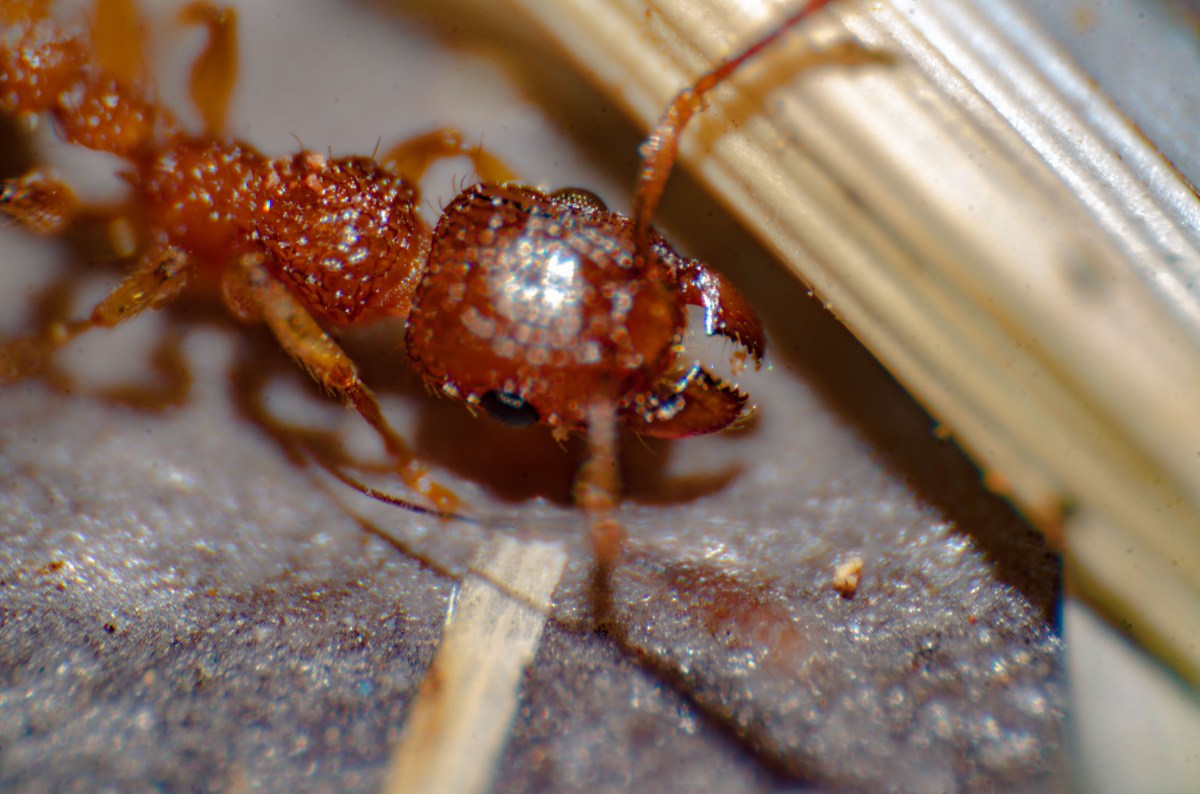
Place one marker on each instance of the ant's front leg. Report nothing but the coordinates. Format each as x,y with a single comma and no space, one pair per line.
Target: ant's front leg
252,294
597,491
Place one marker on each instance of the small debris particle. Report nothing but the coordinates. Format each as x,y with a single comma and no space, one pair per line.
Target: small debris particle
846,577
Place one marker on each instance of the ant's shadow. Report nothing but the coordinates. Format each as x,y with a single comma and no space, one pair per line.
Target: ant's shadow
517,465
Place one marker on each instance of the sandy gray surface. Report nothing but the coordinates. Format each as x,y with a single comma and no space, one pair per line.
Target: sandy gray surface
184,607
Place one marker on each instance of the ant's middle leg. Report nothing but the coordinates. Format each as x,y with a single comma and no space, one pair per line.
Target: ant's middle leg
215,71
40,203
411,158
252,294
117,39
117,43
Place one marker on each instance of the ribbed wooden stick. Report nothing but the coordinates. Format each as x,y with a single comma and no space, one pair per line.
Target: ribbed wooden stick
458,724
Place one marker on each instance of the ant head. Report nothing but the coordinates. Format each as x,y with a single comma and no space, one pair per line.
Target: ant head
534,303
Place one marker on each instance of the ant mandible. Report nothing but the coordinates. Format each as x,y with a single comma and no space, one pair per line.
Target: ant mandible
532,306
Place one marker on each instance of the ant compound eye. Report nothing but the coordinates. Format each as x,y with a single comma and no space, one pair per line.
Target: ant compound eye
509,409
578,198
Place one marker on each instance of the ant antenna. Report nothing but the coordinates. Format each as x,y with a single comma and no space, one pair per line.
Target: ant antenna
659,150
383,496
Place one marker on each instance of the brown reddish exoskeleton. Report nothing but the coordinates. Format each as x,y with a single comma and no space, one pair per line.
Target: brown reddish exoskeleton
534,306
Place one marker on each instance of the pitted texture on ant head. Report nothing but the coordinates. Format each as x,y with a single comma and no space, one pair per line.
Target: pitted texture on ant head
525,297
545,299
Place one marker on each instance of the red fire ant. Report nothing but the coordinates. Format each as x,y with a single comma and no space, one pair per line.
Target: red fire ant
532,306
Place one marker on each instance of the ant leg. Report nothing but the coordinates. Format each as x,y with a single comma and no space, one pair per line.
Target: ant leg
252,294
118,39
40,203
215,71
158,278
597,490
412,158
659,150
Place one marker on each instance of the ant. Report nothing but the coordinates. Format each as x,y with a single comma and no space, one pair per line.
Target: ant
530,306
